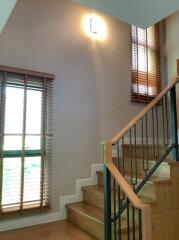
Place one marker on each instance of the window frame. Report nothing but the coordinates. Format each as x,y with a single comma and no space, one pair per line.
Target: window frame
137,75
23,153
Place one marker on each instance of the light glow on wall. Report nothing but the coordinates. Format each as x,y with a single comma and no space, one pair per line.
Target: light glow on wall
95,27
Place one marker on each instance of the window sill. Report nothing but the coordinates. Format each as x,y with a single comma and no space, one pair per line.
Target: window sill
30,208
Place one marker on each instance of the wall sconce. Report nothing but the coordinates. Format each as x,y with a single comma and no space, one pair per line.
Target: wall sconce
95,27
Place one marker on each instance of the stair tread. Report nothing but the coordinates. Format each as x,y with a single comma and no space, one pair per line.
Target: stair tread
165,162
172,162
141,145
93,212
153,179
100,190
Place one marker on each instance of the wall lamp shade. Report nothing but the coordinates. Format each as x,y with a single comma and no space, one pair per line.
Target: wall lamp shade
95,27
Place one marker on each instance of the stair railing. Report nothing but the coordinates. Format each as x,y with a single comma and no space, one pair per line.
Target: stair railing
152,135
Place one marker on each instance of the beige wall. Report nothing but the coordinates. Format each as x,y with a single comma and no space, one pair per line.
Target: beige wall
92,86
172,49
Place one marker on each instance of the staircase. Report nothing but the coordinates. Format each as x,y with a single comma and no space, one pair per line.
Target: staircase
159,192
137,195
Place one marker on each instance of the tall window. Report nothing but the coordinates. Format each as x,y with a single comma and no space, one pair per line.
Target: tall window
25,137
145,63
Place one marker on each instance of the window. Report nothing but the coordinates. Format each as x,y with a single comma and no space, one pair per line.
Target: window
25,139
145,63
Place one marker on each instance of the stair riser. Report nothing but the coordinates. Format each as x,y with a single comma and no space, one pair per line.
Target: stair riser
94,198
97,198
163,170
149,190
139,151
92,226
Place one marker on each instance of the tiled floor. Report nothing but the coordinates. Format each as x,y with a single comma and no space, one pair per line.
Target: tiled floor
61,230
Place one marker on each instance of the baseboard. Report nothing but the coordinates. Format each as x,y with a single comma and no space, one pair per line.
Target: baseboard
41,218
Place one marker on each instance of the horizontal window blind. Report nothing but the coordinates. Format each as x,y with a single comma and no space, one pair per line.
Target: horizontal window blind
145,57
26,104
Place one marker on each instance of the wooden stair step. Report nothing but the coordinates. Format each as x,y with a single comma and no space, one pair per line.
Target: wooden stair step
148,190
94,195
90,219
162,171
139,150
154,180
87,209
87,217
139,159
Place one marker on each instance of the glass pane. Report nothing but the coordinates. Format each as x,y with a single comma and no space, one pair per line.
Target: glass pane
142,59
14,110
33,143
32,178
12,143
141,35
11,180
34,105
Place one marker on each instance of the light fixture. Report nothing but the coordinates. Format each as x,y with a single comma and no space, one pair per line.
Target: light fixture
95,27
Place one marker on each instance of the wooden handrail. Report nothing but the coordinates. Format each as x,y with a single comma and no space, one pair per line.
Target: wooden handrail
134,199
124,186
141,114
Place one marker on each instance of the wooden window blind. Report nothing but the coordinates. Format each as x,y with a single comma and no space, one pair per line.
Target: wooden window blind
25,139
145,51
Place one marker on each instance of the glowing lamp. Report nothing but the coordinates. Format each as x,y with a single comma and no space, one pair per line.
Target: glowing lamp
95,27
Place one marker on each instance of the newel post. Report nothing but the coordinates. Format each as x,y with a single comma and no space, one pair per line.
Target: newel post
107,198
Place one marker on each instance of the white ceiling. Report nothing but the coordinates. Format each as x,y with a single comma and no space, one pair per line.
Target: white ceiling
142,13
6,7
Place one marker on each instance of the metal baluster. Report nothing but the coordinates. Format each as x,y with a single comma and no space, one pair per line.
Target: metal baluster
119,210
123,162
153,133
114,203
123,167
133,222
128,220
157,132
118,157
143,149
167,118
135,158
174,123
163,122
140,224
146,129
131,156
